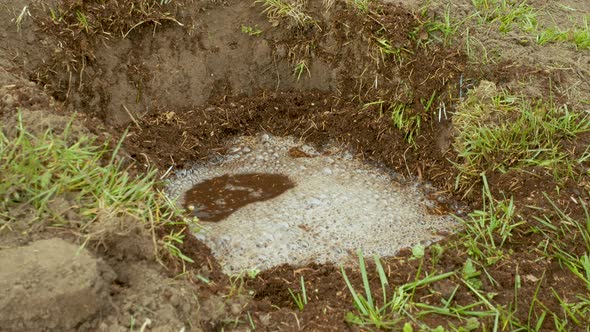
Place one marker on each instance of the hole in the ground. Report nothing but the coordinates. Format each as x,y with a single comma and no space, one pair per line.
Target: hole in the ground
284,202
215,199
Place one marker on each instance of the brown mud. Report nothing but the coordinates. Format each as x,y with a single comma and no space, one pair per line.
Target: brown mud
184,91
215,199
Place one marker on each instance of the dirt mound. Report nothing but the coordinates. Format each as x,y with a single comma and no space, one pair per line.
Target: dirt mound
61,286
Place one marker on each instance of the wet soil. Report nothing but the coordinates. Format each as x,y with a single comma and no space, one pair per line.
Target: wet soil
215,199
183,91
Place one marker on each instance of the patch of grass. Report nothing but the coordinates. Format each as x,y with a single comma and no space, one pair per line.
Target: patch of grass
507,13
566,231
403,120
569,241
475,50
292,10
441,30
577,35
385,50
300,298
498,132
402,117
389,313
39,171
486,230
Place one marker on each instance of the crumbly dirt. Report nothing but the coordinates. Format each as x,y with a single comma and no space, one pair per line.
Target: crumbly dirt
184,91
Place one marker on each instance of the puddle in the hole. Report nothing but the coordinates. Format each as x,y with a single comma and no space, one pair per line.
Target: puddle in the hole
336,205
215,199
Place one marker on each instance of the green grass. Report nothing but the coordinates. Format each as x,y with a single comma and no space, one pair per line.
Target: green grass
403,120
402,117
440,29
43,171
394,305
577,35
507,14
386,50
251,31
498,132
486,230
569,244
300,298
300,68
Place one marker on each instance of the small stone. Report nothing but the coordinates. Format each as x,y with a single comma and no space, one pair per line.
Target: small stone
327,171
246,150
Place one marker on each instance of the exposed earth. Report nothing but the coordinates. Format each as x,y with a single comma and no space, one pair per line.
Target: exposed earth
400,85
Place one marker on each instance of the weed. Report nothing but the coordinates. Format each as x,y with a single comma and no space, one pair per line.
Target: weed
37,170
436,253
470,274
251,31
292,10
300,299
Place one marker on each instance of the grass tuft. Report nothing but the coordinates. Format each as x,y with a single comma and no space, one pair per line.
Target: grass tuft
507,13
577,35
300,298
41,172
387,313
487,230
497,132
284,9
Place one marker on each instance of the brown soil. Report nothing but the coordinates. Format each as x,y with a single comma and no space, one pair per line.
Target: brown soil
184,91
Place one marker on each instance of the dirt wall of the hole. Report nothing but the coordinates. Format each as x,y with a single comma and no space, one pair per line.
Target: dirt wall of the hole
180,67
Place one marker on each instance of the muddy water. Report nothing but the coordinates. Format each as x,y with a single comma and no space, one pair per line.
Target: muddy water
278,200
215,199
